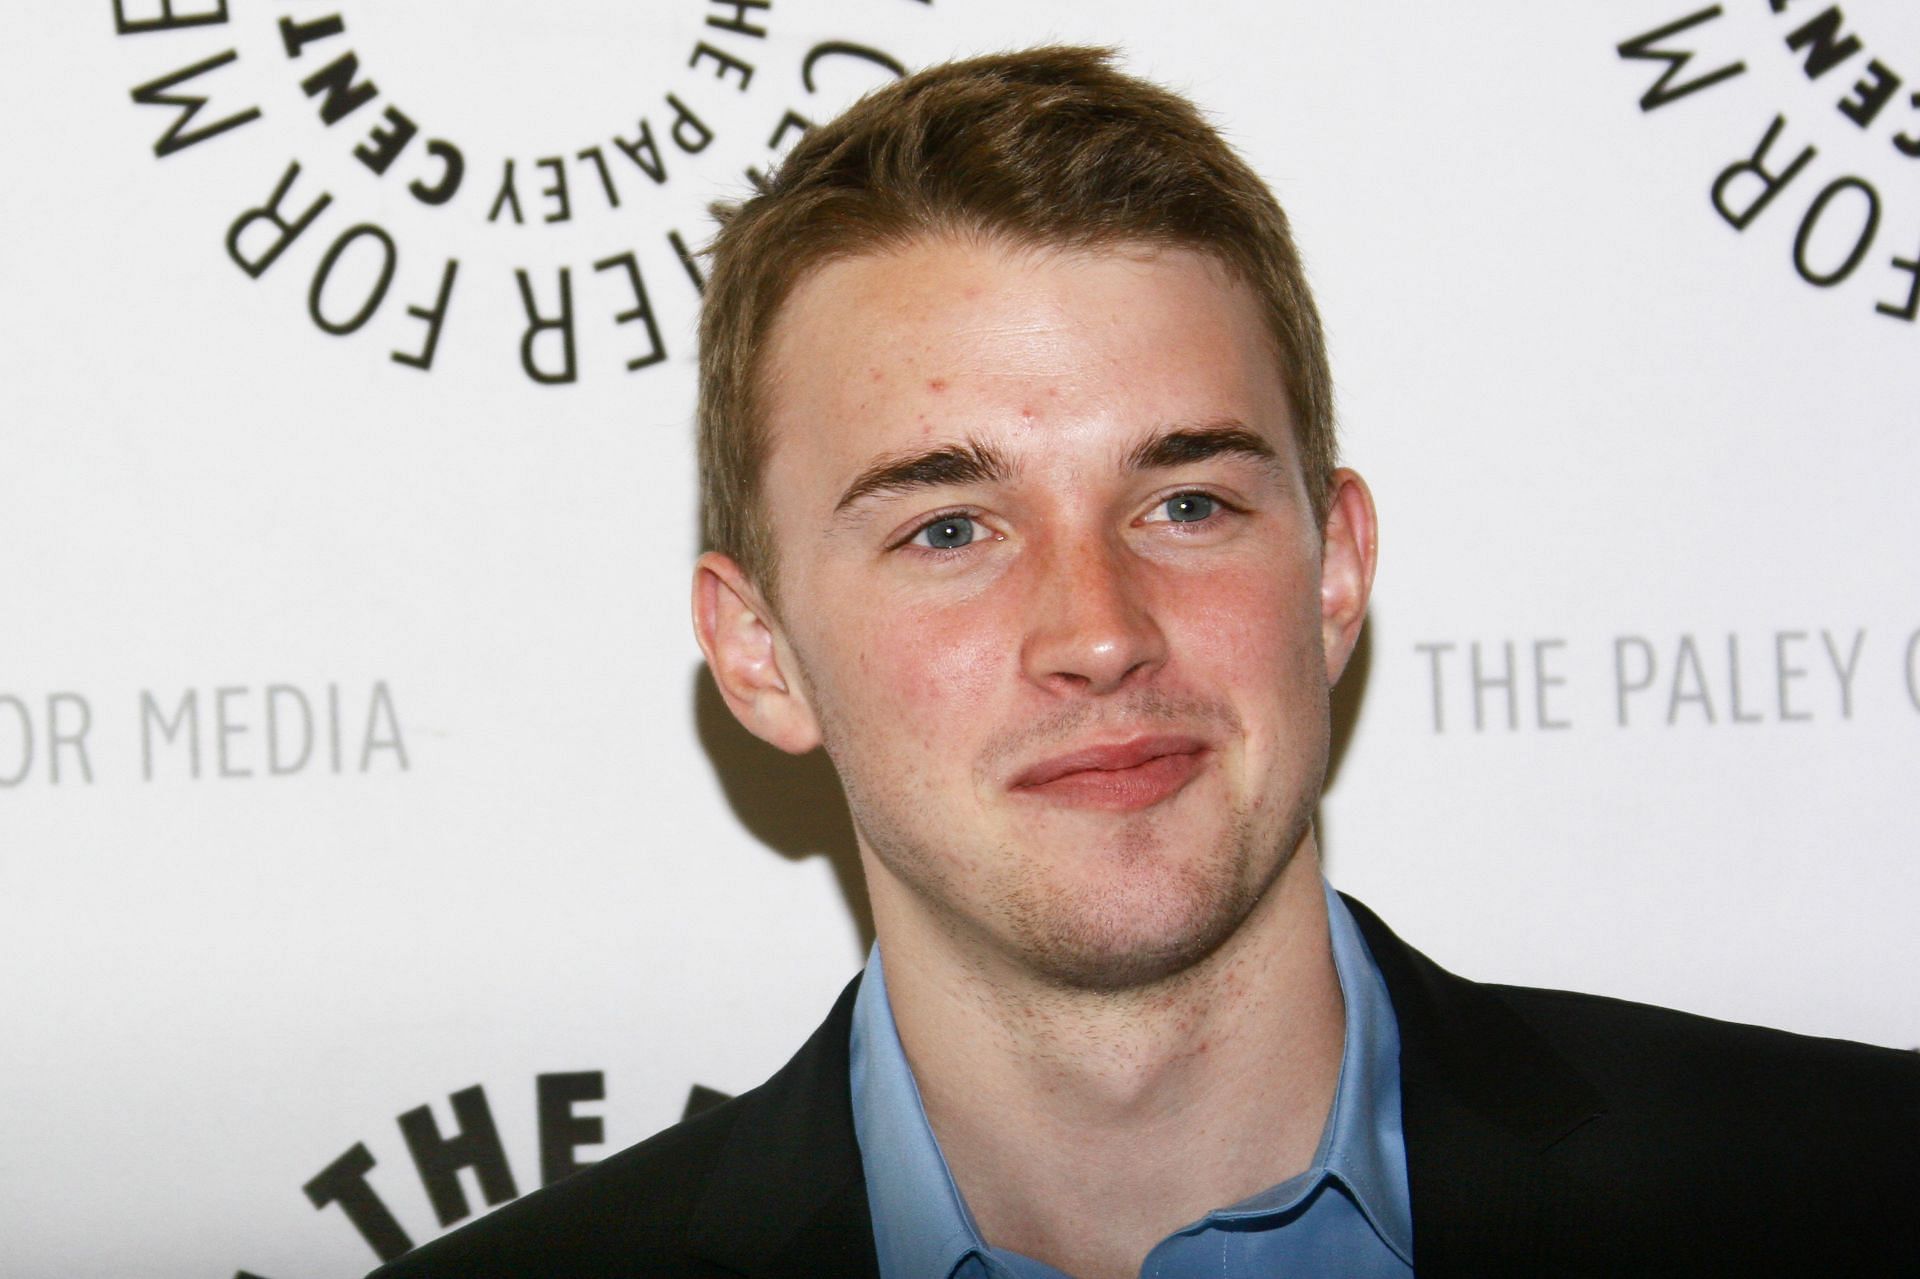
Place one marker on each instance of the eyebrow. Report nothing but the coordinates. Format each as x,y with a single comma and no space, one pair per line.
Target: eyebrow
1184,445
970,462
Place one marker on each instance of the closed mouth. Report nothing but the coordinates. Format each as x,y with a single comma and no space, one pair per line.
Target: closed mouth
1123,775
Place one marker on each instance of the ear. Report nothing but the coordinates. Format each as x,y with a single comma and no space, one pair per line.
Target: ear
749,657
1348,552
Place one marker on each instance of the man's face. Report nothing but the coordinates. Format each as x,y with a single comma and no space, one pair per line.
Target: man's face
1051,594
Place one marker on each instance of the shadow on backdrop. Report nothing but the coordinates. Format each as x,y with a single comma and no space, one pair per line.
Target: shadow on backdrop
790,803
1348,694
793,803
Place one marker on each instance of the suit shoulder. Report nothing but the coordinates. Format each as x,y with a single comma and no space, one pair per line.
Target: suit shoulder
1747,1082
626,1215
773,1174
1599,1027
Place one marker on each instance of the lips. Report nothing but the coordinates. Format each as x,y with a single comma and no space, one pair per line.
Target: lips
1124,776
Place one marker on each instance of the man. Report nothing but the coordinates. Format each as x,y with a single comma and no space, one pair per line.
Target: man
1019,474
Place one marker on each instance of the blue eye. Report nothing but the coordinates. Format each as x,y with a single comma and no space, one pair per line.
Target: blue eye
1189,508
947,534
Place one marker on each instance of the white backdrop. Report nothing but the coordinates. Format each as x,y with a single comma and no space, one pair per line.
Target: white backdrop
353,752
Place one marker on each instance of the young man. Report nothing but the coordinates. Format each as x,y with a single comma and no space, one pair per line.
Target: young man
1018,464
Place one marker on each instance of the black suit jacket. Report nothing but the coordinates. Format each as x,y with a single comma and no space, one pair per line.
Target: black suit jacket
1548,1134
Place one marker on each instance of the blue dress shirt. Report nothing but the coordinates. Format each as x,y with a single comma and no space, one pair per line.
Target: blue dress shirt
1349,1214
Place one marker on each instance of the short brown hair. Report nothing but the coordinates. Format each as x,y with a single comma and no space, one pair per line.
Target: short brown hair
1048,147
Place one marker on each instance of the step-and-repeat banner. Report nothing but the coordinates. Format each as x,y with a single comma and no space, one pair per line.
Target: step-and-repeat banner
372,849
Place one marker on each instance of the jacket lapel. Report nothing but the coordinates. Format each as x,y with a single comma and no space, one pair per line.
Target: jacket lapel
1483,1099
788,1197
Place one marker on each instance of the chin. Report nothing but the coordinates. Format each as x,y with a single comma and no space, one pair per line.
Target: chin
1143,921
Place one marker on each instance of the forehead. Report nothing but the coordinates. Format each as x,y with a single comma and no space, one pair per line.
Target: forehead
1051,354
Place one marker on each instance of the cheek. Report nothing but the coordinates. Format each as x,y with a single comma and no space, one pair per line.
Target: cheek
924,676
937,665
1258,630
1257,644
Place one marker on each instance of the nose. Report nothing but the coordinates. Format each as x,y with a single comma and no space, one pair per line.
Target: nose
1091,625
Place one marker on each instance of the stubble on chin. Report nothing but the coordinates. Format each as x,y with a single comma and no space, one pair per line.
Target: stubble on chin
1123,903
1157,910
1165,911
1119,905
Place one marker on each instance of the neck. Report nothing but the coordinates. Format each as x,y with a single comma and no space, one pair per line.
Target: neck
1084,1126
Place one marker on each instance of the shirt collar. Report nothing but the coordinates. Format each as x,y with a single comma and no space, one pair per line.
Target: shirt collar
921,1222
921,1225
1363,1144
